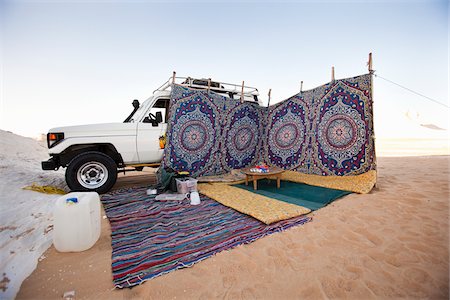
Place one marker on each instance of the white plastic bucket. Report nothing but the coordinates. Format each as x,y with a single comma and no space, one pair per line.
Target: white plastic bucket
76,221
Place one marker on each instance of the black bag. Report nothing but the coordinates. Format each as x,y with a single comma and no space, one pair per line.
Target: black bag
164,179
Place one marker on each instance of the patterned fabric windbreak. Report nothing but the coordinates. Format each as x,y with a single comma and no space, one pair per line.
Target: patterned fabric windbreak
209,134
324,131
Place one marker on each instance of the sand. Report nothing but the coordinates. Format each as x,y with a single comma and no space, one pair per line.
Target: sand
26,220
393,242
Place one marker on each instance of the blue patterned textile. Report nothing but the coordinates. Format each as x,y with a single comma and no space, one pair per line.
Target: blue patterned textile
325,131
210,134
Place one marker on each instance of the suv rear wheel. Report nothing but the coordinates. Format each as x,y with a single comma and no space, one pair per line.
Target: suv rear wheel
91,171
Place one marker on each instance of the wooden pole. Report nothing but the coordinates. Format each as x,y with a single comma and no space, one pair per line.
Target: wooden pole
209,84
173,77
268,102
370,67
332,73
301,86
242,92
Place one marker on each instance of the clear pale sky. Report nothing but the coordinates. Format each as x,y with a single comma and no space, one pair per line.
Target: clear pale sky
69,62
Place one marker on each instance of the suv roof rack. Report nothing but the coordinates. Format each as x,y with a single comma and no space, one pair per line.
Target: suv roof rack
233,91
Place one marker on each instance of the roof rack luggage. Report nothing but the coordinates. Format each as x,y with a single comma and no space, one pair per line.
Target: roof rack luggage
233,91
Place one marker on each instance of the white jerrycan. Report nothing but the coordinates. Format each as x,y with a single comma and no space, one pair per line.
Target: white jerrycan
76,221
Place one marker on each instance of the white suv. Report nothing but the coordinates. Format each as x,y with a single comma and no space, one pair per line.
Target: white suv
94,153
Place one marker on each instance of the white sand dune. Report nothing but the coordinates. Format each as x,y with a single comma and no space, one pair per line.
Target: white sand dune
26,216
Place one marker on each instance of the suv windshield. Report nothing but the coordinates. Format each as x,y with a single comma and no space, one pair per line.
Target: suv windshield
162,105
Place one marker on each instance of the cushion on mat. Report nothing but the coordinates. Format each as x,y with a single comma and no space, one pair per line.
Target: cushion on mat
263,208
361,184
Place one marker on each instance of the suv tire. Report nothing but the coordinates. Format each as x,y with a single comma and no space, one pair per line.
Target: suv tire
92,172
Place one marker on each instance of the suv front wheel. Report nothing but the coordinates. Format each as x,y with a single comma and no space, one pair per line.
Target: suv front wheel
92,172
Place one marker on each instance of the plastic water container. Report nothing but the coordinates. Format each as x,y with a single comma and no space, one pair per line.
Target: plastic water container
76,221
186,185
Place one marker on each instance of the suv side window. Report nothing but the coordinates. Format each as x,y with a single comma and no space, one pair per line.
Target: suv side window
161,105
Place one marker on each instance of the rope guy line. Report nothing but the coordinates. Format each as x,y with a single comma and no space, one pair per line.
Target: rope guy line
408,89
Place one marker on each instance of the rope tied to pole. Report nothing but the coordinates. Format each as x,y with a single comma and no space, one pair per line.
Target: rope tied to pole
412,91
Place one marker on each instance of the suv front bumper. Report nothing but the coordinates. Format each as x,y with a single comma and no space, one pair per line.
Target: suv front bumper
51,164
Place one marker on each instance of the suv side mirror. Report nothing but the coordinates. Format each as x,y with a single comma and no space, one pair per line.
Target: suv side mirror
153,121
159,117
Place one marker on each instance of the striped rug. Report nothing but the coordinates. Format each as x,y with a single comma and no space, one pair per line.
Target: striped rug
151,238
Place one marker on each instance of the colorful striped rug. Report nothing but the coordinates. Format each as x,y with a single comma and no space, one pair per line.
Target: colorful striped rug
151,238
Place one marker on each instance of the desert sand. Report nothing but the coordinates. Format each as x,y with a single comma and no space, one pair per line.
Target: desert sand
390,243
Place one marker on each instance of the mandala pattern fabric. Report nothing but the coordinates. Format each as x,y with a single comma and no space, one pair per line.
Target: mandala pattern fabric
324,131
210,134
286,133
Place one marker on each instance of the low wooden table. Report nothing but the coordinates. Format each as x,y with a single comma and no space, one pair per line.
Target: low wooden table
274,173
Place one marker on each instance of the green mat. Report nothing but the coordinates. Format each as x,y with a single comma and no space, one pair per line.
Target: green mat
312,197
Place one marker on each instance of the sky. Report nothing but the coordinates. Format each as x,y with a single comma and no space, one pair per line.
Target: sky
82,62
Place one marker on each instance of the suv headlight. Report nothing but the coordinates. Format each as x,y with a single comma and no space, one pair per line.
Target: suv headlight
54,138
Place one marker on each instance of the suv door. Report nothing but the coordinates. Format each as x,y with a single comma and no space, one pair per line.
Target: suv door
148,134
